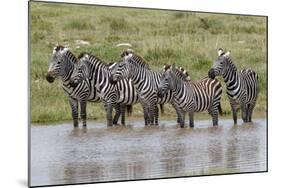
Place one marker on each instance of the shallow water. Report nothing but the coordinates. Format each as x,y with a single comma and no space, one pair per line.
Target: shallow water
63,155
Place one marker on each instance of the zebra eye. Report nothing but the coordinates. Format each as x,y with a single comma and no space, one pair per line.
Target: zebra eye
58,62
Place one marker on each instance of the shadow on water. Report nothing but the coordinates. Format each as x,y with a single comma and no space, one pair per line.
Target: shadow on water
65,155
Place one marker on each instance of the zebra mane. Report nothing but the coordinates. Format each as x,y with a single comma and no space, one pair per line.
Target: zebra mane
94,59
135,58
183,73
82,54
166,67
71,56
180,72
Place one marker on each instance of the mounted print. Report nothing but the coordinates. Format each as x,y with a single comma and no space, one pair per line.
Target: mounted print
121,94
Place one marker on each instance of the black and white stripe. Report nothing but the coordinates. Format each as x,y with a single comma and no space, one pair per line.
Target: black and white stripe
117,95
146,82
191,96
242,87
62,65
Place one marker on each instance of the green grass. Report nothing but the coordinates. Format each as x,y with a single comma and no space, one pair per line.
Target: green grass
187,39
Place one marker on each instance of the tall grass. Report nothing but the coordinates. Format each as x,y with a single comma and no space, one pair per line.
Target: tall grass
187,39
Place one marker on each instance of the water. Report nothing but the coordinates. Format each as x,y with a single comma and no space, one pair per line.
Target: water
63,155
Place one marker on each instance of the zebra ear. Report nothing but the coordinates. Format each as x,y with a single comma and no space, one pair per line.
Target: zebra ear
85,57
227,54
54,50
65,50
220,52
127,56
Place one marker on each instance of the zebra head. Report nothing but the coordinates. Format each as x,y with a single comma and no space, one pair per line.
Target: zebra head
220,64
57,63
122,69
80,71
166,80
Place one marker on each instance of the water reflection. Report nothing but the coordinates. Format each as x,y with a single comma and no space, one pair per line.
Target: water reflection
63,155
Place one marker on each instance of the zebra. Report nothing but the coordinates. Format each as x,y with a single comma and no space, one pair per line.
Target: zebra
121,94
146,82
242,87
62,64
191,96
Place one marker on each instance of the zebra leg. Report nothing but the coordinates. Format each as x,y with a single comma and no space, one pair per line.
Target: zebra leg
150,114
234,112
244,112
74,111
182,124
250,111
83,112
178,114
117,114
145,114
123,111
191,120
214,113
181,117
156,114
108,108
178,117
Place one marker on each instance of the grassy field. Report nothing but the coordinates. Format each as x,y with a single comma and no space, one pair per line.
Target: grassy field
187,39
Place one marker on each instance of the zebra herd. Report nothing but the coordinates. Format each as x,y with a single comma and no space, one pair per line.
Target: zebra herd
122,84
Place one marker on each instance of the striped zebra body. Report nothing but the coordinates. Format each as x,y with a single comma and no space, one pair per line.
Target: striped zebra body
242,87
146,82
192,96
62,64
116,96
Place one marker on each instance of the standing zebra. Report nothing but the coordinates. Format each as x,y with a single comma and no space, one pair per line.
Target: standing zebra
190,96
242,87
62,64
146,82
113,95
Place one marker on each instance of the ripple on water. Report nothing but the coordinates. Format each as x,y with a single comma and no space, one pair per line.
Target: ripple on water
63,155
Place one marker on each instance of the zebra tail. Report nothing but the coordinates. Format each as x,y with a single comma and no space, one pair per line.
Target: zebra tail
220,110
129,109
162,109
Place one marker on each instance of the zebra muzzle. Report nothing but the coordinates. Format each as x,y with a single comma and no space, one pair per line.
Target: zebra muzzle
74,82
211,74
112,80
160,93
50,78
